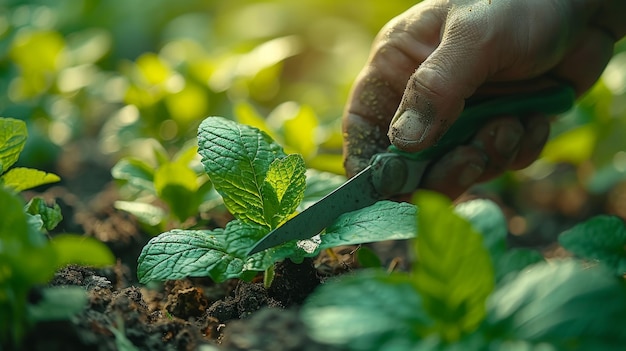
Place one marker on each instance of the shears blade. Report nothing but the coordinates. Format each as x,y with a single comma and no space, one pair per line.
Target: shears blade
358,192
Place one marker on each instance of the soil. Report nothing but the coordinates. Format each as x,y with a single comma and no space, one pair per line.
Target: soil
189,314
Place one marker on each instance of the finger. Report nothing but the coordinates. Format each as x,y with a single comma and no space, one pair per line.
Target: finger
500,141
537,131
435,93
362,139
491,152
456,171
378,89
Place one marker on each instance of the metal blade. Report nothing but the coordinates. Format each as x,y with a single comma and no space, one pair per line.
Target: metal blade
358,192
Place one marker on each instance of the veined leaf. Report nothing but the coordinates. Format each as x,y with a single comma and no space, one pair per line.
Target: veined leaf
454,273
284,184
13,135
220,254
177,184
146,213
187,253
58,303
137,173
50,215
488,220
363,312
561,302
384,220
20,178
236,158
516,260
601,238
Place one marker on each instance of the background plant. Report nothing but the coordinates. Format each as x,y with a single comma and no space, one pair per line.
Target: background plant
468,292
164,192
27,256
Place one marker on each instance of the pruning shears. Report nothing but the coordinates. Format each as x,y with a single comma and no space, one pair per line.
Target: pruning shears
397,172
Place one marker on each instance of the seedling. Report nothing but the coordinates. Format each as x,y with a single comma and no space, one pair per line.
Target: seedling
27,257
13,135
177,182
467,292
262,187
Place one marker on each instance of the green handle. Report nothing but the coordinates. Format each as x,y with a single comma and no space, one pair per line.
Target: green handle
551,102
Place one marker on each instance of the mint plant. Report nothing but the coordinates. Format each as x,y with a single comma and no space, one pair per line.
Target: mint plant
176,182
13,135
262,187
467,293
27,256
601,238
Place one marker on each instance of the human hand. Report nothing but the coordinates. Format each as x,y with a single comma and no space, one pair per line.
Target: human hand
426,62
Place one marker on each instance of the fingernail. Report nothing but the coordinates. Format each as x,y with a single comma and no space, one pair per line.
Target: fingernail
470,174
507,139
407,129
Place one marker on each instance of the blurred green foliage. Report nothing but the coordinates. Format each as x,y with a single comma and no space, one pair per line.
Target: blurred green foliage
121,73
124,70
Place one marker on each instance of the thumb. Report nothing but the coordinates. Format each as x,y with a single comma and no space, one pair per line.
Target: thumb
435,93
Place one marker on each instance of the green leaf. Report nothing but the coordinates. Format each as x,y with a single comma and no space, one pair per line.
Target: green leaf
58,303
318,185
284,185
50,215
515,260
219,254
370,310
247,115
574,146
25,260
24,253
80,249
20,179
136,173
298,127
601,238
177,184
13,224
236,158
187,154
488,220
145,213
384,220
454,273
367,258
563,302
13,135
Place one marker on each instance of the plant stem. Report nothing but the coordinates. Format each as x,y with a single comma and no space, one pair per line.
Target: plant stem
268,276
